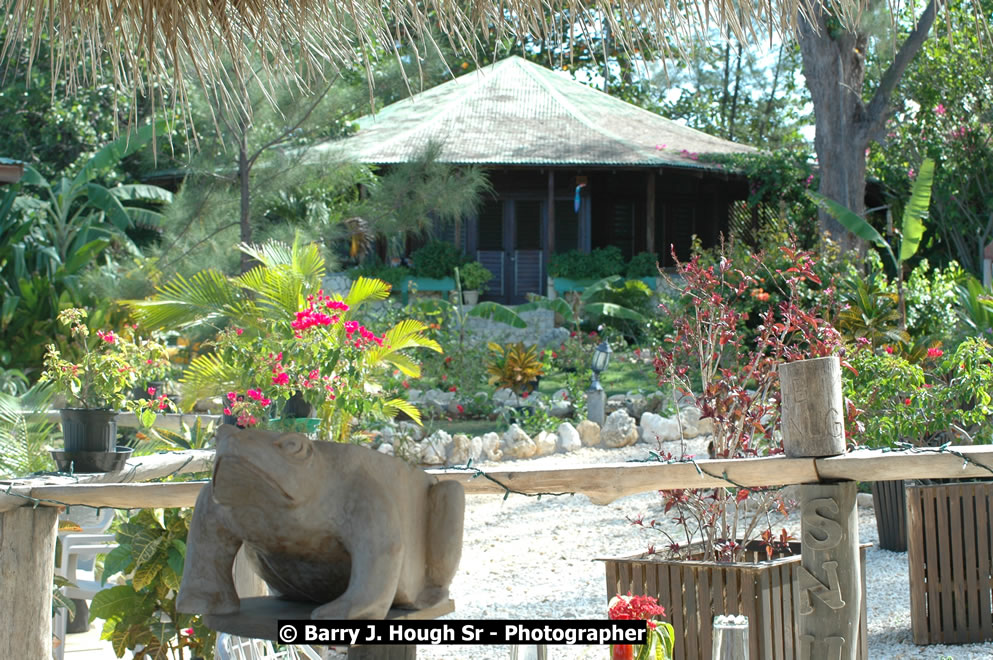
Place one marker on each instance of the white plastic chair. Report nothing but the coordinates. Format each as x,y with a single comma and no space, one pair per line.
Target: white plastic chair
232,647
77,546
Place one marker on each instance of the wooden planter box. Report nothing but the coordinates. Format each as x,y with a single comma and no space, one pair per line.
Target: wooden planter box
694,592
951,562
889,502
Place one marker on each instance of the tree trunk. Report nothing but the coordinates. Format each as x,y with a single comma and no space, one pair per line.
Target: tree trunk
734,97
834,69
244,169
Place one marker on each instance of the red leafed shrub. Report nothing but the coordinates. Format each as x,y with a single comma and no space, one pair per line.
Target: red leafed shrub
726,364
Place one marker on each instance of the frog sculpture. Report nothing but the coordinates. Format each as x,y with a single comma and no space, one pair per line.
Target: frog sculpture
350,529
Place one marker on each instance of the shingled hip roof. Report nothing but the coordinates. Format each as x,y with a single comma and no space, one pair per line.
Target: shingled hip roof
515,112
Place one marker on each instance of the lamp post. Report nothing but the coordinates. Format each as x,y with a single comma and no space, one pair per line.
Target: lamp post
596,399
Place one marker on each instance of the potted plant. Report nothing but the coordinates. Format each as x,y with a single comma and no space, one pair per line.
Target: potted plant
728,539
96,385
474,278
285,336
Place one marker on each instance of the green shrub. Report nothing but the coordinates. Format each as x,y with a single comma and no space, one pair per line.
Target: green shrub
922,404
576,265
376,269
475,276
436,260
643,264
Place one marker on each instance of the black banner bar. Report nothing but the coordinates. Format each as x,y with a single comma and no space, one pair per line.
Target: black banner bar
461,631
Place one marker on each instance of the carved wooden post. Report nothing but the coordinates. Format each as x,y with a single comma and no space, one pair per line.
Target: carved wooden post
27,568
828,581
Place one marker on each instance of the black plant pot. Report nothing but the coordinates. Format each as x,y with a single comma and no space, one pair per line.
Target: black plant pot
89,429
89,462
296,407
889,500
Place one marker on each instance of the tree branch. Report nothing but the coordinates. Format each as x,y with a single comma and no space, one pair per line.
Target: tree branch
877,110
289,131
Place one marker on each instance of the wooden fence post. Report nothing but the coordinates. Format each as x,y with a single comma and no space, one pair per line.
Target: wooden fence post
828,581
27,568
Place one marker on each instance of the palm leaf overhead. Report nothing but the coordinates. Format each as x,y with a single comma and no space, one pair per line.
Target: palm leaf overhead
158,46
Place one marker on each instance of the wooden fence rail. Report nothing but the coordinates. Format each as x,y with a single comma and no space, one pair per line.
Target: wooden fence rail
602,483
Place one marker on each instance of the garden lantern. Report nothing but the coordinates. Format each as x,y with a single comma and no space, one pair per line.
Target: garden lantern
596,399
601,359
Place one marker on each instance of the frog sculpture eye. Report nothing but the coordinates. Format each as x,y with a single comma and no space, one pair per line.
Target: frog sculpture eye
295,447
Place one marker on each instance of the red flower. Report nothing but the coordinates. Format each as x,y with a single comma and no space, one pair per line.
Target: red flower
280,379
906,401
452,388
107,336
888,349
460,408
238,331
227,411
151,391
525,395
232,397
935,352
405,384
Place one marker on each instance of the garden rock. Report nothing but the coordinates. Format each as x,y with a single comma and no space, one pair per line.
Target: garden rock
407,449
411,430
385,448
453,407
504,396
705,426
553,338
517,443
589,432
434,449
569,439
655,402
561,408
414,395
465,449
619,430
636,404
546,443
658,428
689,418
616,402
696,448
491,446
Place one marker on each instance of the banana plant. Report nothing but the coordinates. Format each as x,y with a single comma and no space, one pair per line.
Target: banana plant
914,214
74,211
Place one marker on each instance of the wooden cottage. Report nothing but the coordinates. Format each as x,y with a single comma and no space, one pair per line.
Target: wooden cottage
571,168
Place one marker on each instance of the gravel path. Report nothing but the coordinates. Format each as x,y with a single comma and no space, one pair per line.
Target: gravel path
525,558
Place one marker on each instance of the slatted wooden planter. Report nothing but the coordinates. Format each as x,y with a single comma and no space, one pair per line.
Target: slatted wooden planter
694,592
951,562
889,501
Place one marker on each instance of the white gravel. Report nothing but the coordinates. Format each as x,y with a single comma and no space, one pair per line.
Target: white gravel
525,558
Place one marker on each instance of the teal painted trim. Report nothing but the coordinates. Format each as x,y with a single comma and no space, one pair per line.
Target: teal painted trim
428,284
564,284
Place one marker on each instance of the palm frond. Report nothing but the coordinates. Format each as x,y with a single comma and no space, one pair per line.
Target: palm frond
395,406
404,363
180,303
366,289
405,334
209,375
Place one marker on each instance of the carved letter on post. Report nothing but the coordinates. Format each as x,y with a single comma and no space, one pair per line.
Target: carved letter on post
828,581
